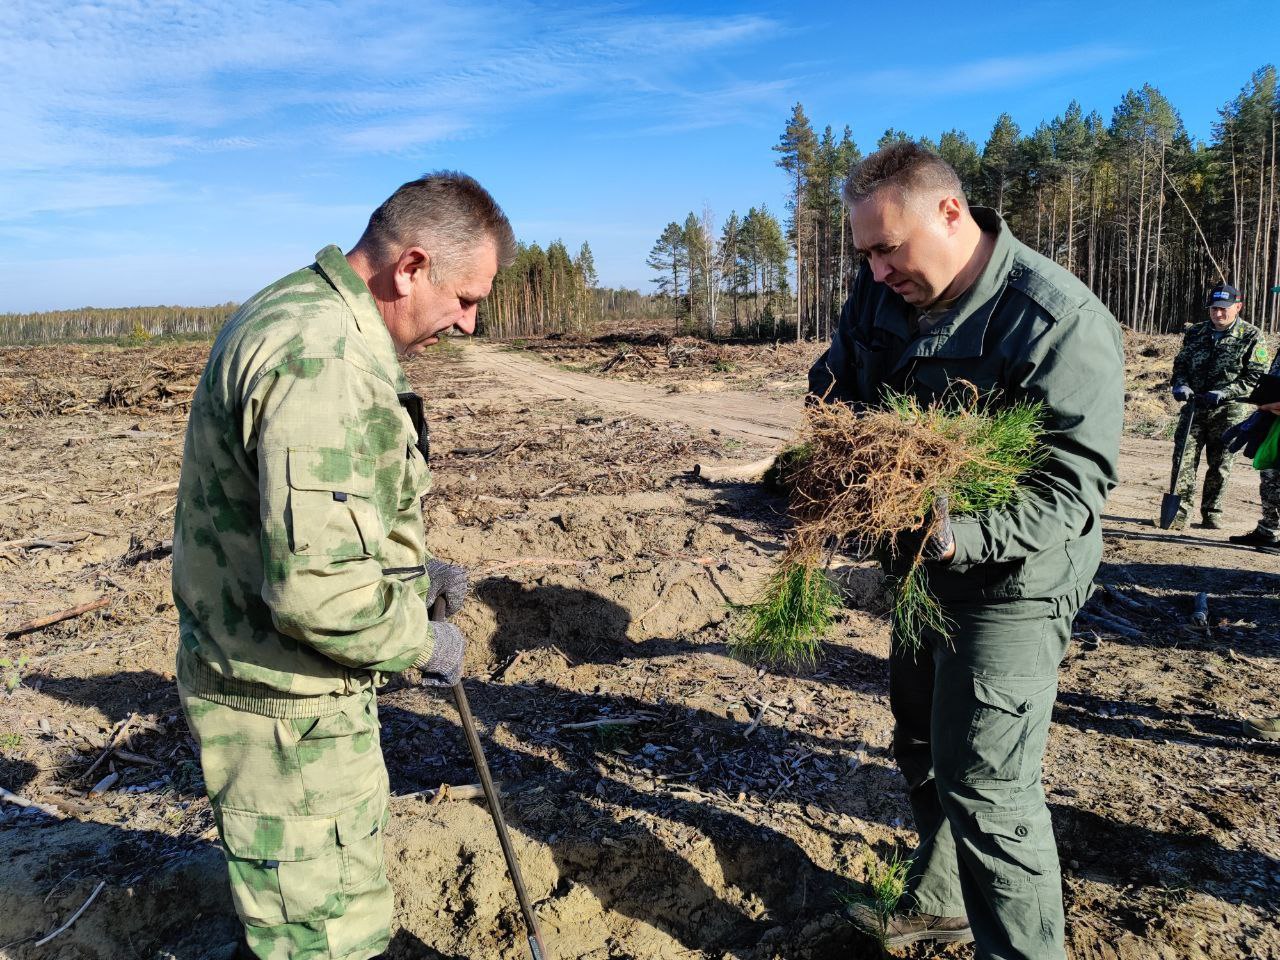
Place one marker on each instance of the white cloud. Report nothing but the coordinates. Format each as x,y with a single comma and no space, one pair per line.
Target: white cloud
20,197
934,79
122,85
700,110
392,136
108,100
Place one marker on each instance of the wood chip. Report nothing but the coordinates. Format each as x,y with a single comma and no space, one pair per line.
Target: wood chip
39,623
607,722
115,741
105,784
19,801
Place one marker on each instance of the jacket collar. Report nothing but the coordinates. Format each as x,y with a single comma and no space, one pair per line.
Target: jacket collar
355,294
962,329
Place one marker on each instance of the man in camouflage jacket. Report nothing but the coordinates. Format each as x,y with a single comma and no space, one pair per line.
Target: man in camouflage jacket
1220,362
300,569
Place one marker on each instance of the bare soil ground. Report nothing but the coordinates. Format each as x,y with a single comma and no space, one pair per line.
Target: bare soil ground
682,364
726,809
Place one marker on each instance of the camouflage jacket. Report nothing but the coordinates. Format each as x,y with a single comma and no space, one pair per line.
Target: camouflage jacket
298,549
1232,363
1026,331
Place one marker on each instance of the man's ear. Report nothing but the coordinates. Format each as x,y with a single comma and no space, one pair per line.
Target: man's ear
951,211
413,264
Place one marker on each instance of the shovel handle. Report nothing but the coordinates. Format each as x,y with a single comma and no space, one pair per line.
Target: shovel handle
1180,447
537,949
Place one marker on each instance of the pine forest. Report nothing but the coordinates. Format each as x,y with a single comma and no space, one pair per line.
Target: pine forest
1146,215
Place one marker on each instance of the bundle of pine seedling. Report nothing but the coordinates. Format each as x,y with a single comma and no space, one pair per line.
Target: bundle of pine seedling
865,477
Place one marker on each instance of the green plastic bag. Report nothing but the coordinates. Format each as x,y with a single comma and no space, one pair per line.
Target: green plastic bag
1268,455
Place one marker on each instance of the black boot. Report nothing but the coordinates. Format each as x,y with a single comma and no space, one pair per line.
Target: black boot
1256,538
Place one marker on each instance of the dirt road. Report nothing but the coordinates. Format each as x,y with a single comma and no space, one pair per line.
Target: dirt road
747,417
771,421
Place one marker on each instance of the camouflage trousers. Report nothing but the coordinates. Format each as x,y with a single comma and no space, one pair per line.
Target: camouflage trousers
300,805
1269,491
1206,437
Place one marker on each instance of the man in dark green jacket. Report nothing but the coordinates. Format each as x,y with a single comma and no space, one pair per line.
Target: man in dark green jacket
948,294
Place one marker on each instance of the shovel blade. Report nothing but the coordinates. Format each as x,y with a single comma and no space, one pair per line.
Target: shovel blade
1170,504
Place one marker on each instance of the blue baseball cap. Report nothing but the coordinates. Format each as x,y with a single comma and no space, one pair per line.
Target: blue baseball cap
1223,295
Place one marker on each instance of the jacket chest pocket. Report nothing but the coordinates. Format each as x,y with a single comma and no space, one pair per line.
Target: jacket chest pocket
958,382
871,363
331,510
1224,361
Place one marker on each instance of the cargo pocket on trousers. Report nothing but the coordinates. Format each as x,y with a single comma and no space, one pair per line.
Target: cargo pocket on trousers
360,836
1010,844
283,869
1004,711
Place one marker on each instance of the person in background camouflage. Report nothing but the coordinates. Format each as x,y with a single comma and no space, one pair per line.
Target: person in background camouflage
1220,362
1266,535
300,568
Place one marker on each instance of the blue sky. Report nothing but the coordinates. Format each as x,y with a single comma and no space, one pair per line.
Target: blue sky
186,152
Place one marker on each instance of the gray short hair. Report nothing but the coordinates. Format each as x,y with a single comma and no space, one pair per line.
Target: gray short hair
907,167
445,212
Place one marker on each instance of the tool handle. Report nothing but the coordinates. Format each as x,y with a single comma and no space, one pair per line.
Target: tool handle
537,948
1180,445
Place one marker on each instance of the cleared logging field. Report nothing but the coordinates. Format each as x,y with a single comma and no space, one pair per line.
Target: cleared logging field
667,800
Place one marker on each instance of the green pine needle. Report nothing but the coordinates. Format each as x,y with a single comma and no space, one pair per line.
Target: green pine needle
915,609
1006,446
992,452
786,625
1010,439
884,889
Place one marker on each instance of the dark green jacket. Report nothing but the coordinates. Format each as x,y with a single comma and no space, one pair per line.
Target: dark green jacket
1027,330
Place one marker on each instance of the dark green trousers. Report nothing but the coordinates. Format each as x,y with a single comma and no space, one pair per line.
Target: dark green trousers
971,720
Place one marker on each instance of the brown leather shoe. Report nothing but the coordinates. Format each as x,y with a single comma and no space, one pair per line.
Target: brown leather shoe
1264,728
904,929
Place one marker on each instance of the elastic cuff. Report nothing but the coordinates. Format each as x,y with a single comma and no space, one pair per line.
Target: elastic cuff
203,681
968,536
425,655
